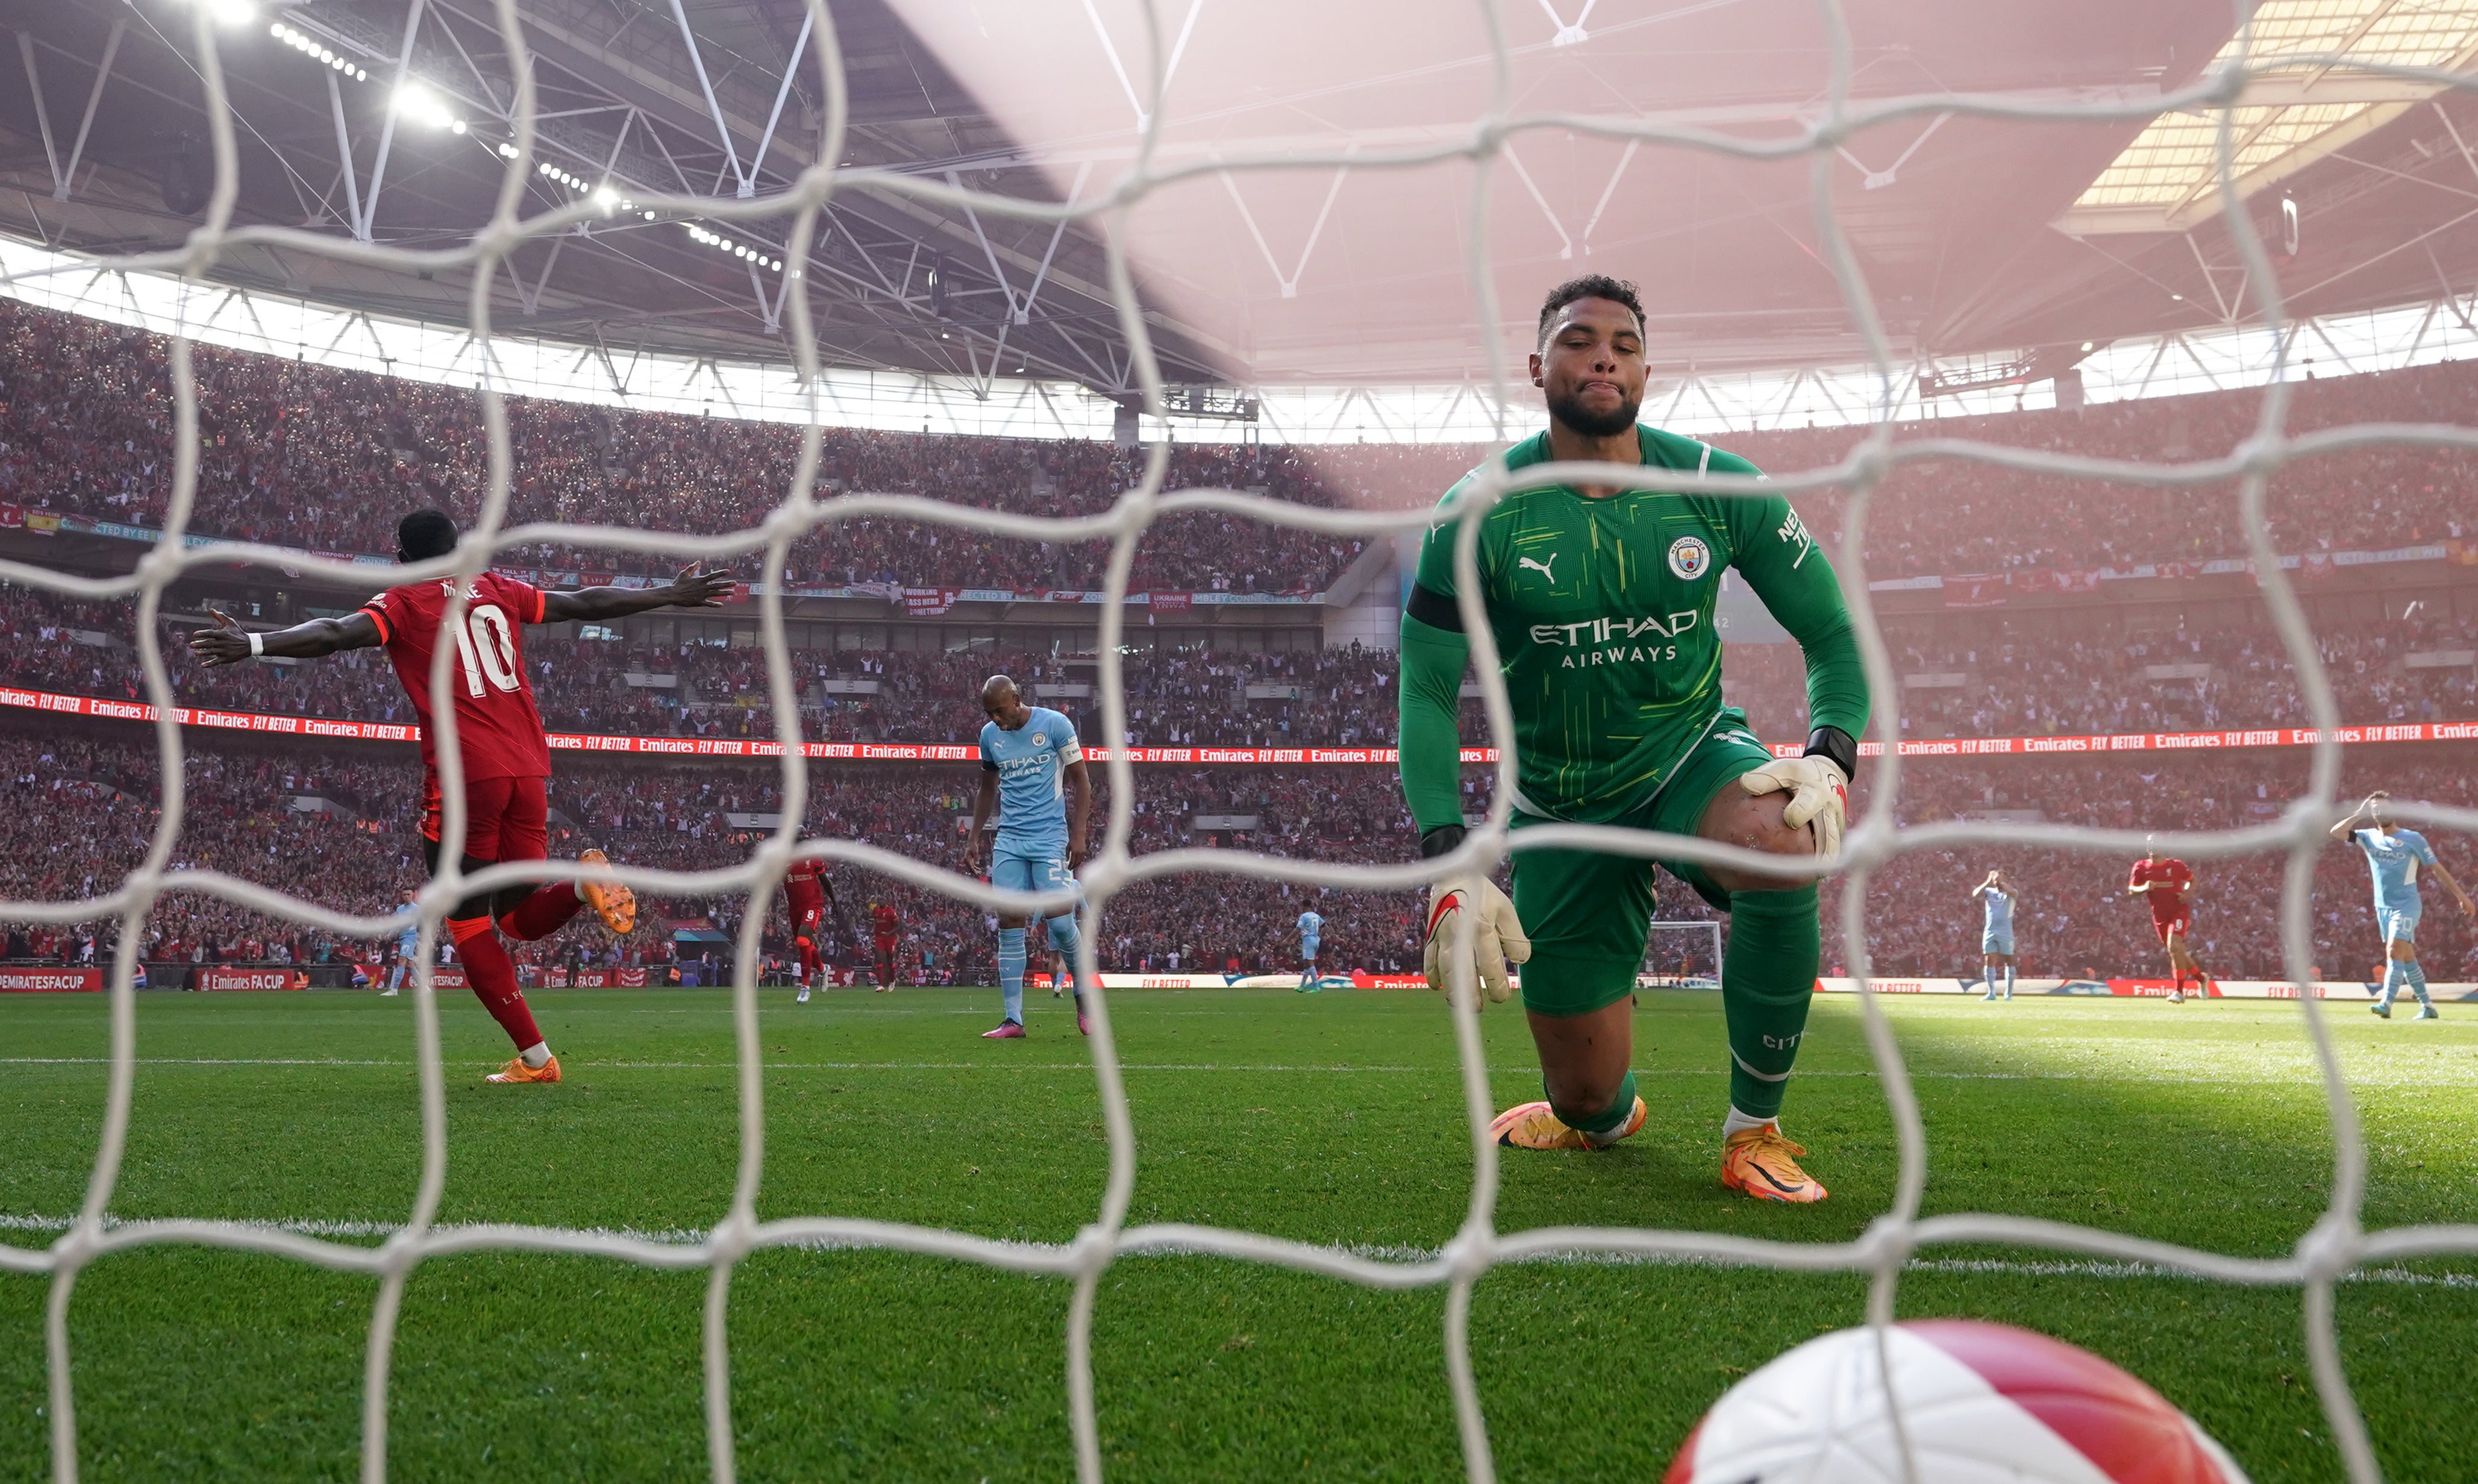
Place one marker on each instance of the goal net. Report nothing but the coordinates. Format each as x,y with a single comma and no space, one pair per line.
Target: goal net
1471,165
1680,956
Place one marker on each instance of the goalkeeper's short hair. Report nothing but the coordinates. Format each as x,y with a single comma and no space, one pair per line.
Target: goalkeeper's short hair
1590,286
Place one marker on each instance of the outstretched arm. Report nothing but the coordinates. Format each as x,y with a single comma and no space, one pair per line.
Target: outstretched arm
228,644
691,588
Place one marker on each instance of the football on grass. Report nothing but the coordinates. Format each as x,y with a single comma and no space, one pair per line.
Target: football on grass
1979,1403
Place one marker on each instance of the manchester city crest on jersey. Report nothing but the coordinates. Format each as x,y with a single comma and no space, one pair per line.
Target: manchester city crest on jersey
1689,557
1041,738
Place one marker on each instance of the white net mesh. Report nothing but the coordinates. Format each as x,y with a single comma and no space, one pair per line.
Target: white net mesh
2335,1246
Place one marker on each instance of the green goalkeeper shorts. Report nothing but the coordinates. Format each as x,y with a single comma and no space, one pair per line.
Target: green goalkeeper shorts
1587,914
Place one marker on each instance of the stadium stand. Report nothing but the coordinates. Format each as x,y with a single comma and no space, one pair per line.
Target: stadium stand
339,828
85,421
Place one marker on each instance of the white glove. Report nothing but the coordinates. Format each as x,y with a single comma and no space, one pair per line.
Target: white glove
1819,793
1497,935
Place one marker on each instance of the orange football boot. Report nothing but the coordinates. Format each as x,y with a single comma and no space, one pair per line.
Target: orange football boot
1760,1162
518,1072
1532,1126
615,903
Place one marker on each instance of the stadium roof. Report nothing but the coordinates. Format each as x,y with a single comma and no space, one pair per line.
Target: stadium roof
2291,116
1330,271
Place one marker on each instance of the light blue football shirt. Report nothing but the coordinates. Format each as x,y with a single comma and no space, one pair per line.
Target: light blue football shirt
1031,764
1999,912
2395,858
409,940
1310,925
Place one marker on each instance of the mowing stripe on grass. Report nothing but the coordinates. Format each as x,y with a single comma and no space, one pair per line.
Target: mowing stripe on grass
2303,1077
1391,1252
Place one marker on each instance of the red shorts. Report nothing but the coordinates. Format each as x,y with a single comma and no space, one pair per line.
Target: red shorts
2177,924
886,947
806,920
505,818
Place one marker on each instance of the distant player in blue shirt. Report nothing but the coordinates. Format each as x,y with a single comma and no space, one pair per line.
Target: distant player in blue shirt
1033,770
1311,926
408,943
2396,854
1996,895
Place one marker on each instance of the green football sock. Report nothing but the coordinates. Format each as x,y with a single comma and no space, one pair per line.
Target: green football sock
1767,982
1607,1121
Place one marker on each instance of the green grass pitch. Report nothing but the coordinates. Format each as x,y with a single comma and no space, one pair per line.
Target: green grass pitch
1330,1119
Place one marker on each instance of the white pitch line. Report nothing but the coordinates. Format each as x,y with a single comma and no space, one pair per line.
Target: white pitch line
1393,1252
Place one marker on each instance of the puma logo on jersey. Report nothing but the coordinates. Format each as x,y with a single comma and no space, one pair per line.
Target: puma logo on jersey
1542,567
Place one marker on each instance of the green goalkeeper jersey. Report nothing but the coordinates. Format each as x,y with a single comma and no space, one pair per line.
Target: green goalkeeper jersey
1602,610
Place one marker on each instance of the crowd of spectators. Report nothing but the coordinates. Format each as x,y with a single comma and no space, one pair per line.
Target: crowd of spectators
1957,680
1955,517
325,459
338,832
2038,682
351,846
2075,918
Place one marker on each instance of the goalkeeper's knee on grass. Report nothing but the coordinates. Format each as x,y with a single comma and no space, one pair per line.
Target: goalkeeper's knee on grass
1599,1126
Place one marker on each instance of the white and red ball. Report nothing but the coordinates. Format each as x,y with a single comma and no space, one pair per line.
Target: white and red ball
1981,1404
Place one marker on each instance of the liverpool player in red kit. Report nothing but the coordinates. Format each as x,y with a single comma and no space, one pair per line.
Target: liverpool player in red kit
806,892
886,925
2169,884
499,740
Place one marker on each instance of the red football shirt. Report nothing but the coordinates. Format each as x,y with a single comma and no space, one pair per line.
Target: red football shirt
498,728
886,919
804,889
2177,882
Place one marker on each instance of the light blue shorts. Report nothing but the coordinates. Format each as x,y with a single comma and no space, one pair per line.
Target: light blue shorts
1309,949
1996,943
1014,872
2398,926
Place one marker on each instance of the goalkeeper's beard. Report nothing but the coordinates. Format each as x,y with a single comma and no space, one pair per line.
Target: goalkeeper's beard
1569,411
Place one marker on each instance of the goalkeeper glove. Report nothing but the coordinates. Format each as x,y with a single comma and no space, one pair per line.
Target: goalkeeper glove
1497,933
1818,785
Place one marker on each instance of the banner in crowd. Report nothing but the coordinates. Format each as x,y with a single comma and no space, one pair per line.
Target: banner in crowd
2221,989
226,976
65,980
946,752
630,977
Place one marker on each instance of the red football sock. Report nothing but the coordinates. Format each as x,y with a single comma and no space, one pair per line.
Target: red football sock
810,962
492,974
542,914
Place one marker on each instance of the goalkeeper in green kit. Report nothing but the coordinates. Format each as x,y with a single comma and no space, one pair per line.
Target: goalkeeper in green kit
1600,603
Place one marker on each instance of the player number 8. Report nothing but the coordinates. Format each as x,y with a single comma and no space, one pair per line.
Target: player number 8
487,649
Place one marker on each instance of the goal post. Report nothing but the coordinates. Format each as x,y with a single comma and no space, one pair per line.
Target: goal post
1681,956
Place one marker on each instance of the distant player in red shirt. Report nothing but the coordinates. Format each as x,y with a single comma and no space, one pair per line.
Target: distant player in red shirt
2169,884
806,893
499,740
885,923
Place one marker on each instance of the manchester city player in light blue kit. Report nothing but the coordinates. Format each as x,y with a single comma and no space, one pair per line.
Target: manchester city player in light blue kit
1311,925
1996,936
408,943
1033,770
2396,854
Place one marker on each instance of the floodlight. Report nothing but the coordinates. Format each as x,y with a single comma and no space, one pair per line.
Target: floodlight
417,103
